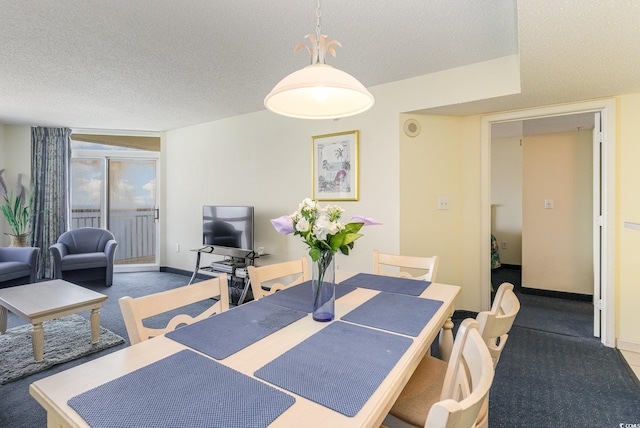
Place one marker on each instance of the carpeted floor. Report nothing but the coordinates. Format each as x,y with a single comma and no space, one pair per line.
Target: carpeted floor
552,372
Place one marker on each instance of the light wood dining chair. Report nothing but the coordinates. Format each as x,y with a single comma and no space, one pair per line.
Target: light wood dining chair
495,325
428,264
135,311
450,395
279,275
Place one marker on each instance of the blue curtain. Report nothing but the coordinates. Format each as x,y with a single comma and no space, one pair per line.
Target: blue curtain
50,172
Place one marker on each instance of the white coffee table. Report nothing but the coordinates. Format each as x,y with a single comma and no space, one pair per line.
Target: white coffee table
48,300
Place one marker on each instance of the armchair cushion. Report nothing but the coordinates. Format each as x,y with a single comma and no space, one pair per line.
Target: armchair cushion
18,265
84,250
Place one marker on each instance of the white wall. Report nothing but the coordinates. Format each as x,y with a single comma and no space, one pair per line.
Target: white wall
265,160
15,157
506,197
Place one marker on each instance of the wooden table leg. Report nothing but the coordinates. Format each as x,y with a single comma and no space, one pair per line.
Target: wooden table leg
446,339
37,340
95,325
3,319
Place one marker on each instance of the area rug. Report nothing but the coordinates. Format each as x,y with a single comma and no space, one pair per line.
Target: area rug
65,339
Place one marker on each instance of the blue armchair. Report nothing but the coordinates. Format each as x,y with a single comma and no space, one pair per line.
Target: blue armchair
84,254
18,265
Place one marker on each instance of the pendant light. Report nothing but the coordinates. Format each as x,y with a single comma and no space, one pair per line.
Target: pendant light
319,91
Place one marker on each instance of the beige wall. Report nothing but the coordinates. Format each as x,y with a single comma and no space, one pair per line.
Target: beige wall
557,243
628,240
15,157
506,197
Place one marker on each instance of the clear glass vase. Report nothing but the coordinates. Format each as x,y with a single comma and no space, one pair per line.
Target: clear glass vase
323,287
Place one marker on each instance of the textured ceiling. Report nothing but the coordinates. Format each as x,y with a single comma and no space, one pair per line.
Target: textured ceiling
153,65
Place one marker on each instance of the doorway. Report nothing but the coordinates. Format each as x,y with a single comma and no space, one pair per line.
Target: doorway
603,307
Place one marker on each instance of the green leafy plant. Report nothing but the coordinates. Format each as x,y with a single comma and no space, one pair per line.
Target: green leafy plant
16,206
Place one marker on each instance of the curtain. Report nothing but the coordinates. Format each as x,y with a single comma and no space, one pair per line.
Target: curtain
50,172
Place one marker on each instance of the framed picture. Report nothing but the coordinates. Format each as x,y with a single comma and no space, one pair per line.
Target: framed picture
335,166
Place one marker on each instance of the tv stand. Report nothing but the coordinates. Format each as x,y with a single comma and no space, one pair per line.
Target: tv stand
234,267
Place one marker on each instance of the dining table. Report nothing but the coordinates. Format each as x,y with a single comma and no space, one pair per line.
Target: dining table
263,363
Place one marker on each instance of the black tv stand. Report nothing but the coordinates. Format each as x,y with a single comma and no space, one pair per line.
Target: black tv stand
237,259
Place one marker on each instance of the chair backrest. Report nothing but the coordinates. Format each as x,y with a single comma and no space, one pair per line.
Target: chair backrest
134,311
429,264
85,240
294,272
496,323
466,383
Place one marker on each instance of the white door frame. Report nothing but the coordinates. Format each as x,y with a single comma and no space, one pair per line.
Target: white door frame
607,109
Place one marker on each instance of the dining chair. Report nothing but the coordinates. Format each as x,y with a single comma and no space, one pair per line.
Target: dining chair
136,310
428,264
495,325
279,275
450,395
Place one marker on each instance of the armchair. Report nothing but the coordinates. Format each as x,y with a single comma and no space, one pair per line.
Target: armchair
18,265
85,253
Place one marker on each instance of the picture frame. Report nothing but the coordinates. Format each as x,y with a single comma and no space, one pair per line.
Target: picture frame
335,172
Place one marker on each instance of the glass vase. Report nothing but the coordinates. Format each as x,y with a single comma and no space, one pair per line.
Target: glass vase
323,287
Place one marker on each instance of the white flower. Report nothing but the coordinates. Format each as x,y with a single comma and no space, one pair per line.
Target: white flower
302,225
321,227
308,205
334,227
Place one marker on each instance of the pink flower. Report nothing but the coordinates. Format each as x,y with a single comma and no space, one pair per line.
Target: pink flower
366,220
283,224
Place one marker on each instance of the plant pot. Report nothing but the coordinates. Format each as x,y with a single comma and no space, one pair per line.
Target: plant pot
19,240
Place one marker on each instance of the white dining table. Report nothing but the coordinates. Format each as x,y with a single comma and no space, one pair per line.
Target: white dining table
54,392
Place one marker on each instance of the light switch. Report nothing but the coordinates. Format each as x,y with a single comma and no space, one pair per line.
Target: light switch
548,204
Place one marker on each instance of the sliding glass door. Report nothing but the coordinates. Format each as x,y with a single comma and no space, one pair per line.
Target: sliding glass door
118,191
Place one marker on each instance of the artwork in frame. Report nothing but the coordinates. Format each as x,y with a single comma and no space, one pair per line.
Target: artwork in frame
335,166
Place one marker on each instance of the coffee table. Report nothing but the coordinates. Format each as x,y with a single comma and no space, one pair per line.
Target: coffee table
48,300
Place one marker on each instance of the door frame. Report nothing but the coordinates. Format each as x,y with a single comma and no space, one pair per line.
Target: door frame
607,109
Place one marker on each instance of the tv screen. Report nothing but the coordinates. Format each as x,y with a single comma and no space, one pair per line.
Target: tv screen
227,226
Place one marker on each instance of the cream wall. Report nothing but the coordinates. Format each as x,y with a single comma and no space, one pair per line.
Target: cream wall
506,197
628,240
15,157
264,160
443,162
557,251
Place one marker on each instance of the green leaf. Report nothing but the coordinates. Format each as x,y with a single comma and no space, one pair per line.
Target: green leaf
353,227
350,237
315,254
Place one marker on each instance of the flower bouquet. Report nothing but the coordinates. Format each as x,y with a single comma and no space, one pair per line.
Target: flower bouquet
325,235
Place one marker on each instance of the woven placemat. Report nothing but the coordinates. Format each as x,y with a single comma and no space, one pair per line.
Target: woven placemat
183,390
300,298
339,367
389,284
225,334
395,312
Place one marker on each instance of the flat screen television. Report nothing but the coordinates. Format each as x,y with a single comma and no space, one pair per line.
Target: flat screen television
227,227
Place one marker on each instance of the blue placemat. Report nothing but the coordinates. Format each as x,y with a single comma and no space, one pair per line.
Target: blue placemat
395,312
339,367
299,296
389,284
227,333
183,390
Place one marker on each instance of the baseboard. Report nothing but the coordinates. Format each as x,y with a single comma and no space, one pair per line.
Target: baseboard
627,345
200,275
514,267
557,294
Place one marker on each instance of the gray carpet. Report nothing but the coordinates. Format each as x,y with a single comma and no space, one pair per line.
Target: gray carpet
65,339
559,377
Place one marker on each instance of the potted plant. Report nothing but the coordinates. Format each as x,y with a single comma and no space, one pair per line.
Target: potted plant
16,208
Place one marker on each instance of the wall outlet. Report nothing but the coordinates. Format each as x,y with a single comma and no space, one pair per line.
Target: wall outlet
548,204
443,203
177,248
